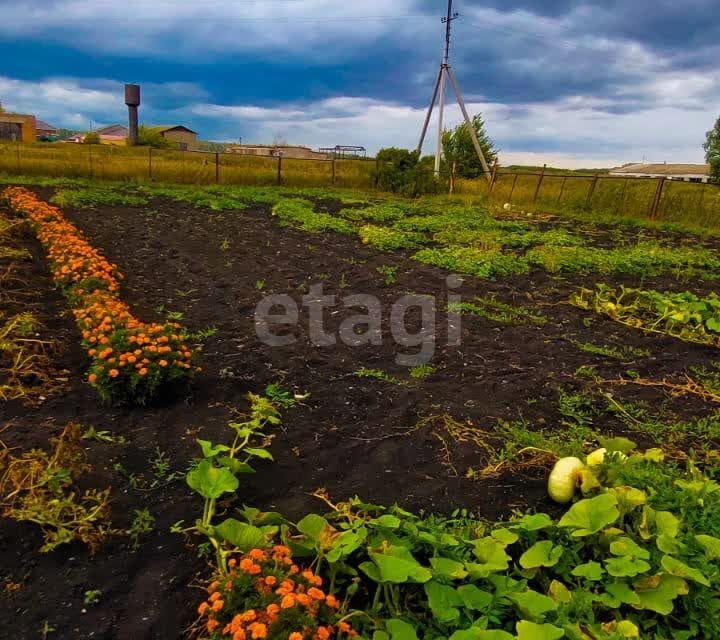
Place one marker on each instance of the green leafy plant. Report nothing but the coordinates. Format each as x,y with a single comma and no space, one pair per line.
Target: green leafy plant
681,315
498,311
389,273
142,524
217,474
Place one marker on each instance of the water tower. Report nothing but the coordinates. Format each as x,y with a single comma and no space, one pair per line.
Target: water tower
132,100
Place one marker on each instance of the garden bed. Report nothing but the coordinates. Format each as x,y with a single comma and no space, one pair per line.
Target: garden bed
378,437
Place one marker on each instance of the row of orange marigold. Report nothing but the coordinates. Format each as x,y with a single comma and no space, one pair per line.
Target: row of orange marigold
265,595
131,360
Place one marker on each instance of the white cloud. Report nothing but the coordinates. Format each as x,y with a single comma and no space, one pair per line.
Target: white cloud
571,132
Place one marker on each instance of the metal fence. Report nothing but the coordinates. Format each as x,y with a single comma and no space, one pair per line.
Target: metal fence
656,198
106,162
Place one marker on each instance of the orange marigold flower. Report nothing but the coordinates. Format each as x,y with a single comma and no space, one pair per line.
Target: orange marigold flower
91,378
258,630
239,635
257,554
143,371
217,605
113,373
287,601
270,580
316,594
203,608
249,615
214,596
332,601
322,633
232,562
212,624
295,636
272,609
245,565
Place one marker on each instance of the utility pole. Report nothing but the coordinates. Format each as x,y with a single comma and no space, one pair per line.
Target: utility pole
439,91
447,20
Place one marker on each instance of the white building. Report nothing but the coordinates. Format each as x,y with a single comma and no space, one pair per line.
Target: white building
684,172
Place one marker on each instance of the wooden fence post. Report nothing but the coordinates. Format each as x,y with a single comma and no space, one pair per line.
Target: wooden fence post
217,167
150,163
562,189
377,172
702,197
453,169
656,200
333,170
279,169
512,189
493,176
539,184
591,191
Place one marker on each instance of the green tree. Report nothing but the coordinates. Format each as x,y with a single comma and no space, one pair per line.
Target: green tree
405,172
92,137
149,137
458,147
712,151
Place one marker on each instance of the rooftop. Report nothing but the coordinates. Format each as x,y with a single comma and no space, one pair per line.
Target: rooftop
664,169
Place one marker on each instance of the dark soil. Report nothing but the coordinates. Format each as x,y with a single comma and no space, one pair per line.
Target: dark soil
351,435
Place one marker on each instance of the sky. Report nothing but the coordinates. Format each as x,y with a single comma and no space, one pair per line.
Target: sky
586,83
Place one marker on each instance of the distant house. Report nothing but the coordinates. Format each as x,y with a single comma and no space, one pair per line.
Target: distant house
44,130
183,138
684,172
115,134
274,150
17,127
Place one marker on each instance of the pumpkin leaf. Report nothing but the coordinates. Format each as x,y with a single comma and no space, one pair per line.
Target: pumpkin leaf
210,481
590,515
541,554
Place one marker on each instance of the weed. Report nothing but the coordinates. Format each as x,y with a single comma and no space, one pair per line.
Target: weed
259,285
37,487
280,397
300,215
91,597
91,433
388,272
497,311
376,374
387,239
625,353
142,524
473,261
421,371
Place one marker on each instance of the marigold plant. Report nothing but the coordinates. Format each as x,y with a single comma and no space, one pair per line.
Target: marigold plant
131,360
266,595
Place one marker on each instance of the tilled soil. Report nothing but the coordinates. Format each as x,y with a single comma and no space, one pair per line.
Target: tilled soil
351,435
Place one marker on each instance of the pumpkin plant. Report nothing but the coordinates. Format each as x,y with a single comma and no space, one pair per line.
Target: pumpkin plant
217,473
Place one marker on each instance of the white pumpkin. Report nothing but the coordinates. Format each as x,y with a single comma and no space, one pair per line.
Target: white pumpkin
564,479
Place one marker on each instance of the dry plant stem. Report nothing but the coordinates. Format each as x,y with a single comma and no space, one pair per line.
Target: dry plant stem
691,387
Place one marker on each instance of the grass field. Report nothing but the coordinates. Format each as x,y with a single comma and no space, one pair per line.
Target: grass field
687,204
220,472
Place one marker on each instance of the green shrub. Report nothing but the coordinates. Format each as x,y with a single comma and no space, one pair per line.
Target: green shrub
405,173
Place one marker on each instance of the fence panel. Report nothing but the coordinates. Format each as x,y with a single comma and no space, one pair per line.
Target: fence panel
247,170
